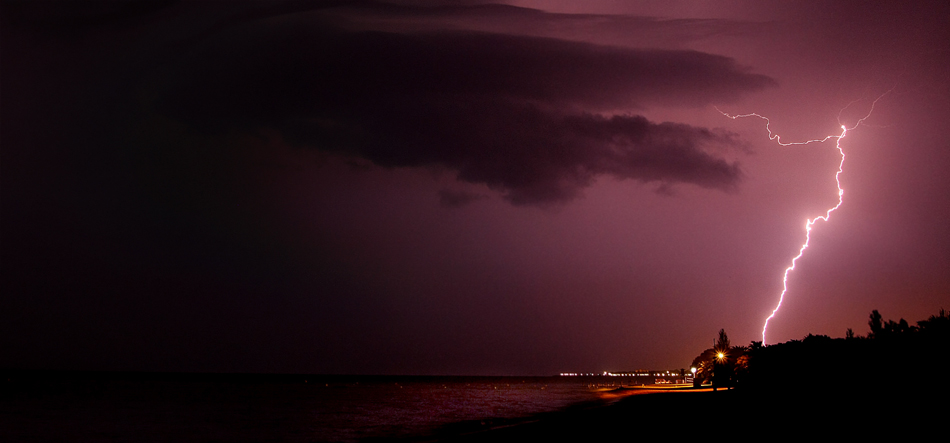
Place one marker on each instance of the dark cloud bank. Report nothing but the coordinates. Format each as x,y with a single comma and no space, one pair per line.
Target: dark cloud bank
530,117
130,241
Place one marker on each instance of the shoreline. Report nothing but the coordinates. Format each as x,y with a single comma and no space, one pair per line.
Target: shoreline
587,421
585,414
790,410
90,409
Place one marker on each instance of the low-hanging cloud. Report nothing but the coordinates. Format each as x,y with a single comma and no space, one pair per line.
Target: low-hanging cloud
533,118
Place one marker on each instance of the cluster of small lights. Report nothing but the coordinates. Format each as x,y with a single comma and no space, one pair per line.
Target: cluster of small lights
620,374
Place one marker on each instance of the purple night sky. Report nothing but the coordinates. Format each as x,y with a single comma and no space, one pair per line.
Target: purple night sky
426,187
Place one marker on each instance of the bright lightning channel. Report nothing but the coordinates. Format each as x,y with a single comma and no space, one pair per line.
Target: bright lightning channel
809,223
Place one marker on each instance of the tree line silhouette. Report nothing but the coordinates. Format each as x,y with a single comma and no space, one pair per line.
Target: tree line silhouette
892,352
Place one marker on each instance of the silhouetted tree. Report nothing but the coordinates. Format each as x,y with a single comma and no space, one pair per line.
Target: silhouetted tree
722,344
937,324
723,364
719,364
704,366
876,323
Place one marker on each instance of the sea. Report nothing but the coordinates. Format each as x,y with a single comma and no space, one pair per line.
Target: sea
297,408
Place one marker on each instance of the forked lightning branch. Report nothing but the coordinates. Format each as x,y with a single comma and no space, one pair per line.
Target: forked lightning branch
809,223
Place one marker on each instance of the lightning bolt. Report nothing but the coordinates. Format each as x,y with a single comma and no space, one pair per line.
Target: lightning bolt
810,223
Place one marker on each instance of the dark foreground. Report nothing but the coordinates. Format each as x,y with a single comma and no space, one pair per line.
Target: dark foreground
870,412
238,412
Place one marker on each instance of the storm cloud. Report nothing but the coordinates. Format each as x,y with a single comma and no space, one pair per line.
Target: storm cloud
327,187
537,119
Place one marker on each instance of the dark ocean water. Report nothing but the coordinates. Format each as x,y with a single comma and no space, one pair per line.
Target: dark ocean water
279,409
